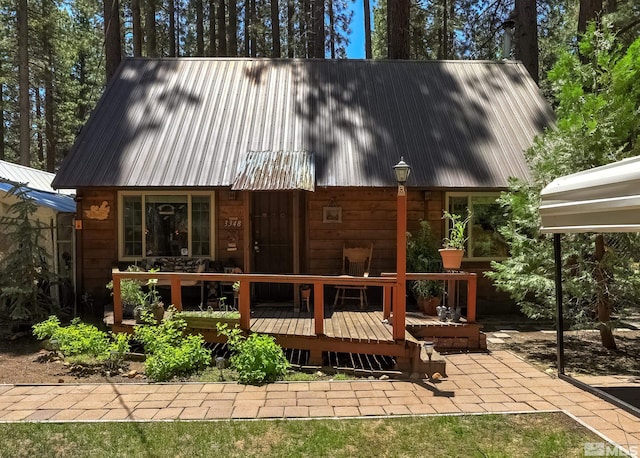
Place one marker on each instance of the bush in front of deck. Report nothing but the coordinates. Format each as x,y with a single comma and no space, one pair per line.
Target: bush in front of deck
170,352
257,359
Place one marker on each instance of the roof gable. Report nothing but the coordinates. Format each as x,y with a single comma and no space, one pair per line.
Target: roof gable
190,122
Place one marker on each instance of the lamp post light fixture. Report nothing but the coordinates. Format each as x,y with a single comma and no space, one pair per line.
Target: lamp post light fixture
402,171
428,348
220,365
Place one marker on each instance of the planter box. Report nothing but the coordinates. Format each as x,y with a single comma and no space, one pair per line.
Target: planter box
205,322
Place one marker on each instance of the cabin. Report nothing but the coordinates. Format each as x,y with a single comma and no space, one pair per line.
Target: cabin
55,213
273,166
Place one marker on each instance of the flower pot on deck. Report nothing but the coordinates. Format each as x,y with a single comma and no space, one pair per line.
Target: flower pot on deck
428,305
451,258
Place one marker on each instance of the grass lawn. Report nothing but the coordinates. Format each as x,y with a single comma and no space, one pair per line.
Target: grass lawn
524,435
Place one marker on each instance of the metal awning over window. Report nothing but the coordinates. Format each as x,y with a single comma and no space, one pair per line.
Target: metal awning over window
276,171
602,199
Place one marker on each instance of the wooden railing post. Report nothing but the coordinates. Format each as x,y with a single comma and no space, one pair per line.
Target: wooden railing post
472,289
244,305
176,292
386,301
318,307
117,299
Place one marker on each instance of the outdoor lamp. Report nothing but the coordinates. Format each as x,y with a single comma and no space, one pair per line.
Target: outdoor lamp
220,364
428,347
402,170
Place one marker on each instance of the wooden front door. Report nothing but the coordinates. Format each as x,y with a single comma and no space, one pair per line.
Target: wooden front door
272,242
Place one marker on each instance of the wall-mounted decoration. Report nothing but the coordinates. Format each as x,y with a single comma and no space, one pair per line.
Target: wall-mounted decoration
332,214
100,212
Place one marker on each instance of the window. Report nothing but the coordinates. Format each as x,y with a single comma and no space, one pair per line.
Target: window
160,224
484,242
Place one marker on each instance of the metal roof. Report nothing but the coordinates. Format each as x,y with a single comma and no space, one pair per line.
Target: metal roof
602,199
190,122
58,202
276,170
34,178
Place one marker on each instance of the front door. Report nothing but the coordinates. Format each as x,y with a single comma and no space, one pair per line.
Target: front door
272,242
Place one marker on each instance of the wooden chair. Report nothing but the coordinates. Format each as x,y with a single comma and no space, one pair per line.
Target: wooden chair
356,262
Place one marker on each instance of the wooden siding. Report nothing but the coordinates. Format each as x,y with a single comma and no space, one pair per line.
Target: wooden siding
230,205
97,246
368,215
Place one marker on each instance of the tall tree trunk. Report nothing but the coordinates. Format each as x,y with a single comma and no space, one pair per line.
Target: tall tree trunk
398,26
247,28
526,43
199,29
212,28
150,28
303,21
332,30
83,104
2,129
113,46
253,39
222,29
173,42
275,29
233,28
291,39
317,22
39,136
367,30
49,103
603,306
589,10
137,28
23,83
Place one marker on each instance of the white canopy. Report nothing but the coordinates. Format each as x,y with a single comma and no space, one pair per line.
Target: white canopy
602,199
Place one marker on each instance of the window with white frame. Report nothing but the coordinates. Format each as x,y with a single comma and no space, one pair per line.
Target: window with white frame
484,241
161,224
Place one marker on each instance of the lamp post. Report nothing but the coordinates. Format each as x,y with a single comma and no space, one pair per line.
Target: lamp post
402,171
428,348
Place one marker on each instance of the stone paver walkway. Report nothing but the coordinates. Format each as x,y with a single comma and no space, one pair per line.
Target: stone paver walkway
496,382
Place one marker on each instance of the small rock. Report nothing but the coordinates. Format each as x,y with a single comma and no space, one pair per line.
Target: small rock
67,364
436,376
139,376
384,377
60,380
319,374
132,373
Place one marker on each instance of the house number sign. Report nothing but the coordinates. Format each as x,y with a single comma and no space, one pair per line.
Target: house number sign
233,223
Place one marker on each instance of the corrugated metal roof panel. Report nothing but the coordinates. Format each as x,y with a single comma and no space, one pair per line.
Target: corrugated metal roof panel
34,178
276,171
189,122
58,202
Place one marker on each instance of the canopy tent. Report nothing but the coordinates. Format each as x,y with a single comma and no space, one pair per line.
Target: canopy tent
602,199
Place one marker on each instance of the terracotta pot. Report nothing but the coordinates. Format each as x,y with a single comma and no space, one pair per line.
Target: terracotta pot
451,258
428,304
306,293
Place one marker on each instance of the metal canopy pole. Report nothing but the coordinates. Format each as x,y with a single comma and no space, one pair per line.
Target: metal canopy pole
559,319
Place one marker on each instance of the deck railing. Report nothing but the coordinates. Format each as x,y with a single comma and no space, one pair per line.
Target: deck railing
387,281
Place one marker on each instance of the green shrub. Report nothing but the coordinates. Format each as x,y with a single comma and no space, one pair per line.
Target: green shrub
170,361
257,358
82,339
171,354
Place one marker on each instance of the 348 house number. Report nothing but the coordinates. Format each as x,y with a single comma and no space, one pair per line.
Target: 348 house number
233,223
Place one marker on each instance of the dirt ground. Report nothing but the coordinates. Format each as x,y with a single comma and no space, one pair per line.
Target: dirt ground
23,361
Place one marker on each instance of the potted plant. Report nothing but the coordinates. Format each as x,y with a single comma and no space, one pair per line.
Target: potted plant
453,245
305,291
422,256
131,293
150,303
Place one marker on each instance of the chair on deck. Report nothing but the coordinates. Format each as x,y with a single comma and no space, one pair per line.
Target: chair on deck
356,262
